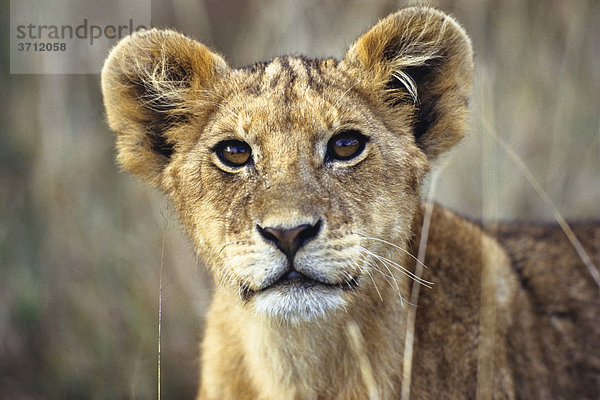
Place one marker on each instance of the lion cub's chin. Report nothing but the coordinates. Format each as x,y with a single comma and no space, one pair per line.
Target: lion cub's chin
297,303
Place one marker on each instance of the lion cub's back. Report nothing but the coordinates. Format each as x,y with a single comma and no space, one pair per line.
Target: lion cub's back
560,304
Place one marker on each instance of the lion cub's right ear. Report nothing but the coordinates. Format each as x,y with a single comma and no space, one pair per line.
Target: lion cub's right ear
152,83
423,55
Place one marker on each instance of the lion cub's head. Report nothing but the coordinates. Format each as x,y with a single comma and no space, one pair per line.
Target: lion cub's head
293,177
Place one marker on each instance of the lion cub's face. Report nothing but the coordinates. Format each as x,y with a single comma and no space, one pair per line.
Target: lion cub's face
292,177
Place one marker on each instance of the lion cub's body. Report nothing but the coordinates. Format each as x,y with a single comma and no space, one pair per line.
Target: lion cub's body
298,181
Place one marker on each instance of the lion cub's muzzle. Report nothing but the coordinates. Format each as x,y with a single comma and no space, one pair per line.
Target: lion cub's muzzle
289,241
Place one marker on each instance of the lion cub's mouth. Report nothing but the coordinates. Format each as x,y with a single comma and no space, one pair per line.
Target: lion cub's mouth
294,280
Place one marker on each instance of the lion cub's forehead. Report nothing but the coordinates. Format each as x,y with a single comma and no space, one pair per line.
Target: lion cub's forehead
290,95
285,73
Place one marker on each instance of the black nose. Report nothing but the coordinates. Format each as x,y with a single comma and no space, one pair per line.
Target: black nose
289,241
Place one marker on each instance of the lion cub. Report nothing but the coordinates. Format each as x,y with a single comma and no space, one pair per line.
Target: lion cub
298,181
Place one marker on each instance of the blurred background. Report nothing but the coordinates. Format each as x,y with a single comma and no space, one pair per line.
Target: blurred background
82,243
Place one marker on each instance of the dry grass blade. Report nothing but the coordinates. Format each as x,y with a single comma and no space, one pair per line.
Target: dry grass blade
592,268
414,295
160,288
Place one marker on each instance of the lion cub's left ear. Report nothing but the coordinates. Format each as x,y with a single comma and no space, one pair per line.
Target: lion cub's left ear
418,62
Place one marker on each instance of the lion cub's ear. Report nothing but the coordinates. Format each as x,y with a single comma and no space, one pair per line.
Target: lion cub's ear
152,83
418,62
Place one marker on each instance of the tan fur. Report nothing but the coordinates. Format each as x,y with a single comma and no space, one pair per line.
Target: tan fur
512,312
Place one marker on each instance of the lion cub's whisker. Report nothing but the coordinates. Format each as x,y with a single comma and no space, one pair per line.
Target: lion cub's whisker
367,271
393,245
373,263
373,266
399,268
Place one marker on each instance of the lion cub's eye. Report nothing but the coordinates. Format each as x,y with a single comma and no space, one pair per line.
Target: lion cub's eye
346,145
233,153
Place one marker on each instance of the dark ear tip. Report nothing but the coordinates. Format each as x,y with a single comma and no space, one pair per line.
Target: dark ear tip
139,44
431,19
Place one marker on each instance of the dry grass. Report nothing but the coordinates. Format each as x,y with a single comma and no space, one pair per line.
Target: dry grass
80,242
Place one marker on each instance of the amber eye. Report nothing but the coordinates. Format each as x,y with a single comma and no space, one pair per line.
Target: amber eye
233,153
346,145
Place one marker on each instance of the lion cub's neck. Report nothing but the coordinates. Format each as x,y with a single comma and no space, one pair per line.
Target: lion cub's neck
317,355
299,360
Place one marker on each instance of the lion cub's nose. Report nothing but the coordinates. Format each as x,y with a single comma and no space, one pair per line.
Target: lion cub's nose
289,241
